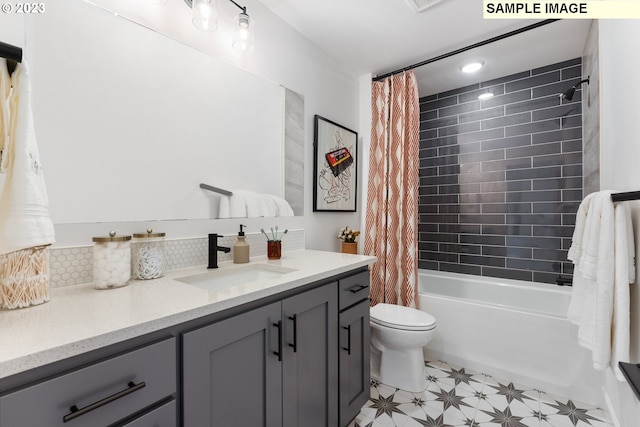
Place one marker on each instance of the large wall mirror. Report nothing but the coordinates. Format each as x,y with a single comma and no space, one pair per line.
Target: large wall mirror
130,122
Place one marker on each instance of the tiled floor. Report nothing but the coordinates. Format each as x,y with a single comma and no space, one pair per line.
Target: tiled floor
457,397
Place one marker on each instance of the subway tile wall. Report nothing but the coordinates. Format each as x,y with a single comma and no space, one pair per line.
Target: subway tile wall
501,179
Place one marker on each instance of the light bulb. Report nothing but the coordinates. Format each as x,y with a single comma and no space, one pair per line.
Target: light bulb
472,67
205,14
243,39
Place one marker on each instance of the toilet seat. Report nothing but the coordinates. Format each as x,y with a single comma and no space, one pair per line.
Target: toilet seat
400,317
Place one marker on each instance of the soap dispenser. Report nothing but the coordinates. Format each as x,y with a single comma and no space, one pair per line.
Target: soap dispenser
241,248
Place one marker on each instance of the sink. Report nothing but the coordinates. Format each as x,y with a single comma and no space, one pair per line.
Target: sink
224,278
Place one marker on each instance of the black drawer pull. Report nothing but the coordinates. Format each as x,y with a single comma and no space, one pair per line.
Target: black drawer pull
295,333
75,412
348,347
357,288
278,353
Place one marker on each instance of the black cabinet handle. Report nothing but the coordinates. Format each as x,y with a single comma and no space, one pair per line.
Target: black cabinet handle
357,288
348,348
279,352
75,412
295,333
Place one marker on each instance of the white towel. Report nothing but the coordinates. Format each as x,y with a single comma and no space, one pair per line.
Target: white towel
24,204
233,206
601,250
5,90
625,273
283,208
271,208
248,204
575,251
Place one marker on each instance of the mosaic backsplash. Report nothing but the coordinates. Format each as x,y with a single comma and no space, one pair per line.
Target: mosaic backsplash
74,265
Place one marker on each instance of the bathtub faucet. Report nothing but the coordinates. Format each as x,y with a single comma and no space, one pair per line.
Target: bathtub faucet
213,250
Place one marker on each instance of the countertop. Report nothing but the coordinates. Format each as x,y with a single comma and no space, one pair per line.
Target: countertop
80,318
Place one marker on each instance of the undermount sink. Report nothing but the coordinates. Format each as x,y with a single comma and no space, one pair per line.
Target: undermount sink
234,276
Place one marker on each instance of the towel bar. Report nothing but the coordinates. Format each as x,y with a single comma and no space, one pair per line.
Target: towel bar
216,189
623,197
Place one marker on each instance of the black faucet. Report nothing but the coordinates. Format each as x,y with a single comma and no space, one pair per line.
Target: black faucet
213,250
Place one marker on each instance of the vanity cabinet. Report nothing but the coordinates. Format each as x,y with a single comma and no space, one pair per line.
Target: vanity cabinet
272,366
297,358
354,370
124,388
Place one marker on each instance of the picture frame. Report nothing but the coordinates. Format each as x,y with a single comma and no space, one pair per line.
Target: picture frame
335,171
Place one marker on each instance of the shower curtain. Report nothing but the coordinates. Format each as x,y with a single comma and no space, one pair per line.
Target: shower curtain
391,224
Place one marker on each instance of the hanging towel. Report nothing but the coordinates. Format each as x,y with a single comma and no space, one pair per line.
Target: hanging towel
283,208
5,90
24,204
602,250
625,273
248,204
233,206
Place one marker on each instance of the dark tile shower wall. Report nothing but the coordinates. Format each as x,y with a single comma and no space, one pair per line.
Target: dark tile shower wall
501,179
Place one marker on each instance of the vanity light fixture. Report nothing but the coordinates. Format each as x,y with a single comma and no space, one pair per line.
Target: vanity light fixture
205,14
243,39
205,17
472,67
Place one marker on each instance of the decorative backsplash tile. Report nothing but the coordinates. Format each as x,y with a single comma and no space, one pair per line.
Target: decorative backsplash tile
74,265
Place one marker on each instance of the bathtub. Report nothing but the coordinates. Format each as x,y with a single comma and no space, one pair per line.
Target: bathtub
513,330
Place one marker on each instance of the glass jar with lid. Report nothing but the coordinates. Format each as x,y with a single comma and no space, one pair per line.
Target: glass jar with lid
111,261
148,255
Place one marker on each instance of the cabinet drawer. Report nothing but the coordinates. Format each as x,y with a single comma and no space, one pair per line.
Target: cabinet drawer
164,416
115,388
353,289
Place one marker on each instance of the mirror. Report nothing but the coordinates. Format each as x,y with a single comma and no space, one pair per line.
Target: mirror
130,122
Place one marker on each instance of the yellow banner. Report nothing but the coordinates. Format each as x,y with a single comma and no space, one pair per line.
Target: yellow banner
588,9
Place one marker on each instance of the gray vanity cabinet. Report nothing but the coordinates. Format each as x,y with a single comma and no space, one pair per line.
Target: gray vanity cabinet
310,358
232,373
272,366
354,345
101,394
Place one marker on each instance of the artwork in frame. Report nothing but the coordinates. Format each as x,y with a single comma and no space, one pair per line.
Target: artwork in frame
335,167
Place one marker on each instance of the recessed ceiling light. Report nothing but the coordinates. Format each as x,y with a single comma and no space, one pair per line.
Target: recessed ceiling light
485,95
472,67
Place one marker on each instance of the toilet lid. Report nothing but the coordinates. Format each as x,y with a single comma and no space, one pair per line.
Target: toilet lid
399,317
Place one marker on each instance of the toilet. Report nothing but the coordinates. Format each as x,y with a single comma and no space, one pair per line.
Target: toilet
397,336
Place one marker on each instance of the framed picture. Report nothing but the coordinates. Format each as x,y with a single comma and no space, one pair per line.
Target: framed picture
335,167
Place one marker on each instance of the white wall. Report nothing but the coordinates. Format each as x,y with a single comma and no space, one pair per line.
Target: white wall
282,55
620,154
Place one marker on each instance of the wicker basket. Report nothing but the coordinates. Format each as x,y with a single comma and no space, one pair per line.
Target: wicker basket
24,277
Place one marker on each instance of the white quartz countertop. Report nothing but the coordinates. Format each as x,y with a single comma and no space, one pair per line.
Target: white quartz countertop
79,319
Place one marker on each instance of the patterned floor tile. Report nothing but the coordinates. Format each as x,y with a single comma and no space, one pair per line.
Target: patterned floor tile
457,397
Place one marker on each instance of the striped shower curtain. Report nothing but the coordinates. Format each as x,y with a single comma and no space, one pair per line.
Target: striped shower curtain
391,224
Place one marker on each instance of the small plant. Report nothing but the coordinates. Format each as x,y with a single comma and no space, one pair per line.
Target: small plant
348,235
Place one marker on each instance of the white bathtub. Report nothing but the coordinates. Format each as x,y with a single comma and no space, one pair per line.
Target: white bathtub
513,330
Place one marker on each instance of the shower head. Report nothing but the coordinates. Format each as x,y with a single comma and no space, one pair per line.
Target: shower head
568,94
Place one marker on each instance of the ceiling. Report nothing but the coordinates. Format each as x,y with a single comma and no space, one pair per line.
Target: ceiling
380,36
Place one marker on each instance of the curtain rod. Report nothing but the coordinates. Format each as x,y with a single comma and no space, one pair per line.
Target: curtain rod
13,53
464,49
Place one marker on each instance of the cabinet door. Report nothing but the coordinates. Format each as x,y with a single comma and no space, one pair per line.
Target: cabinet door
231,375
354,360
310,370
